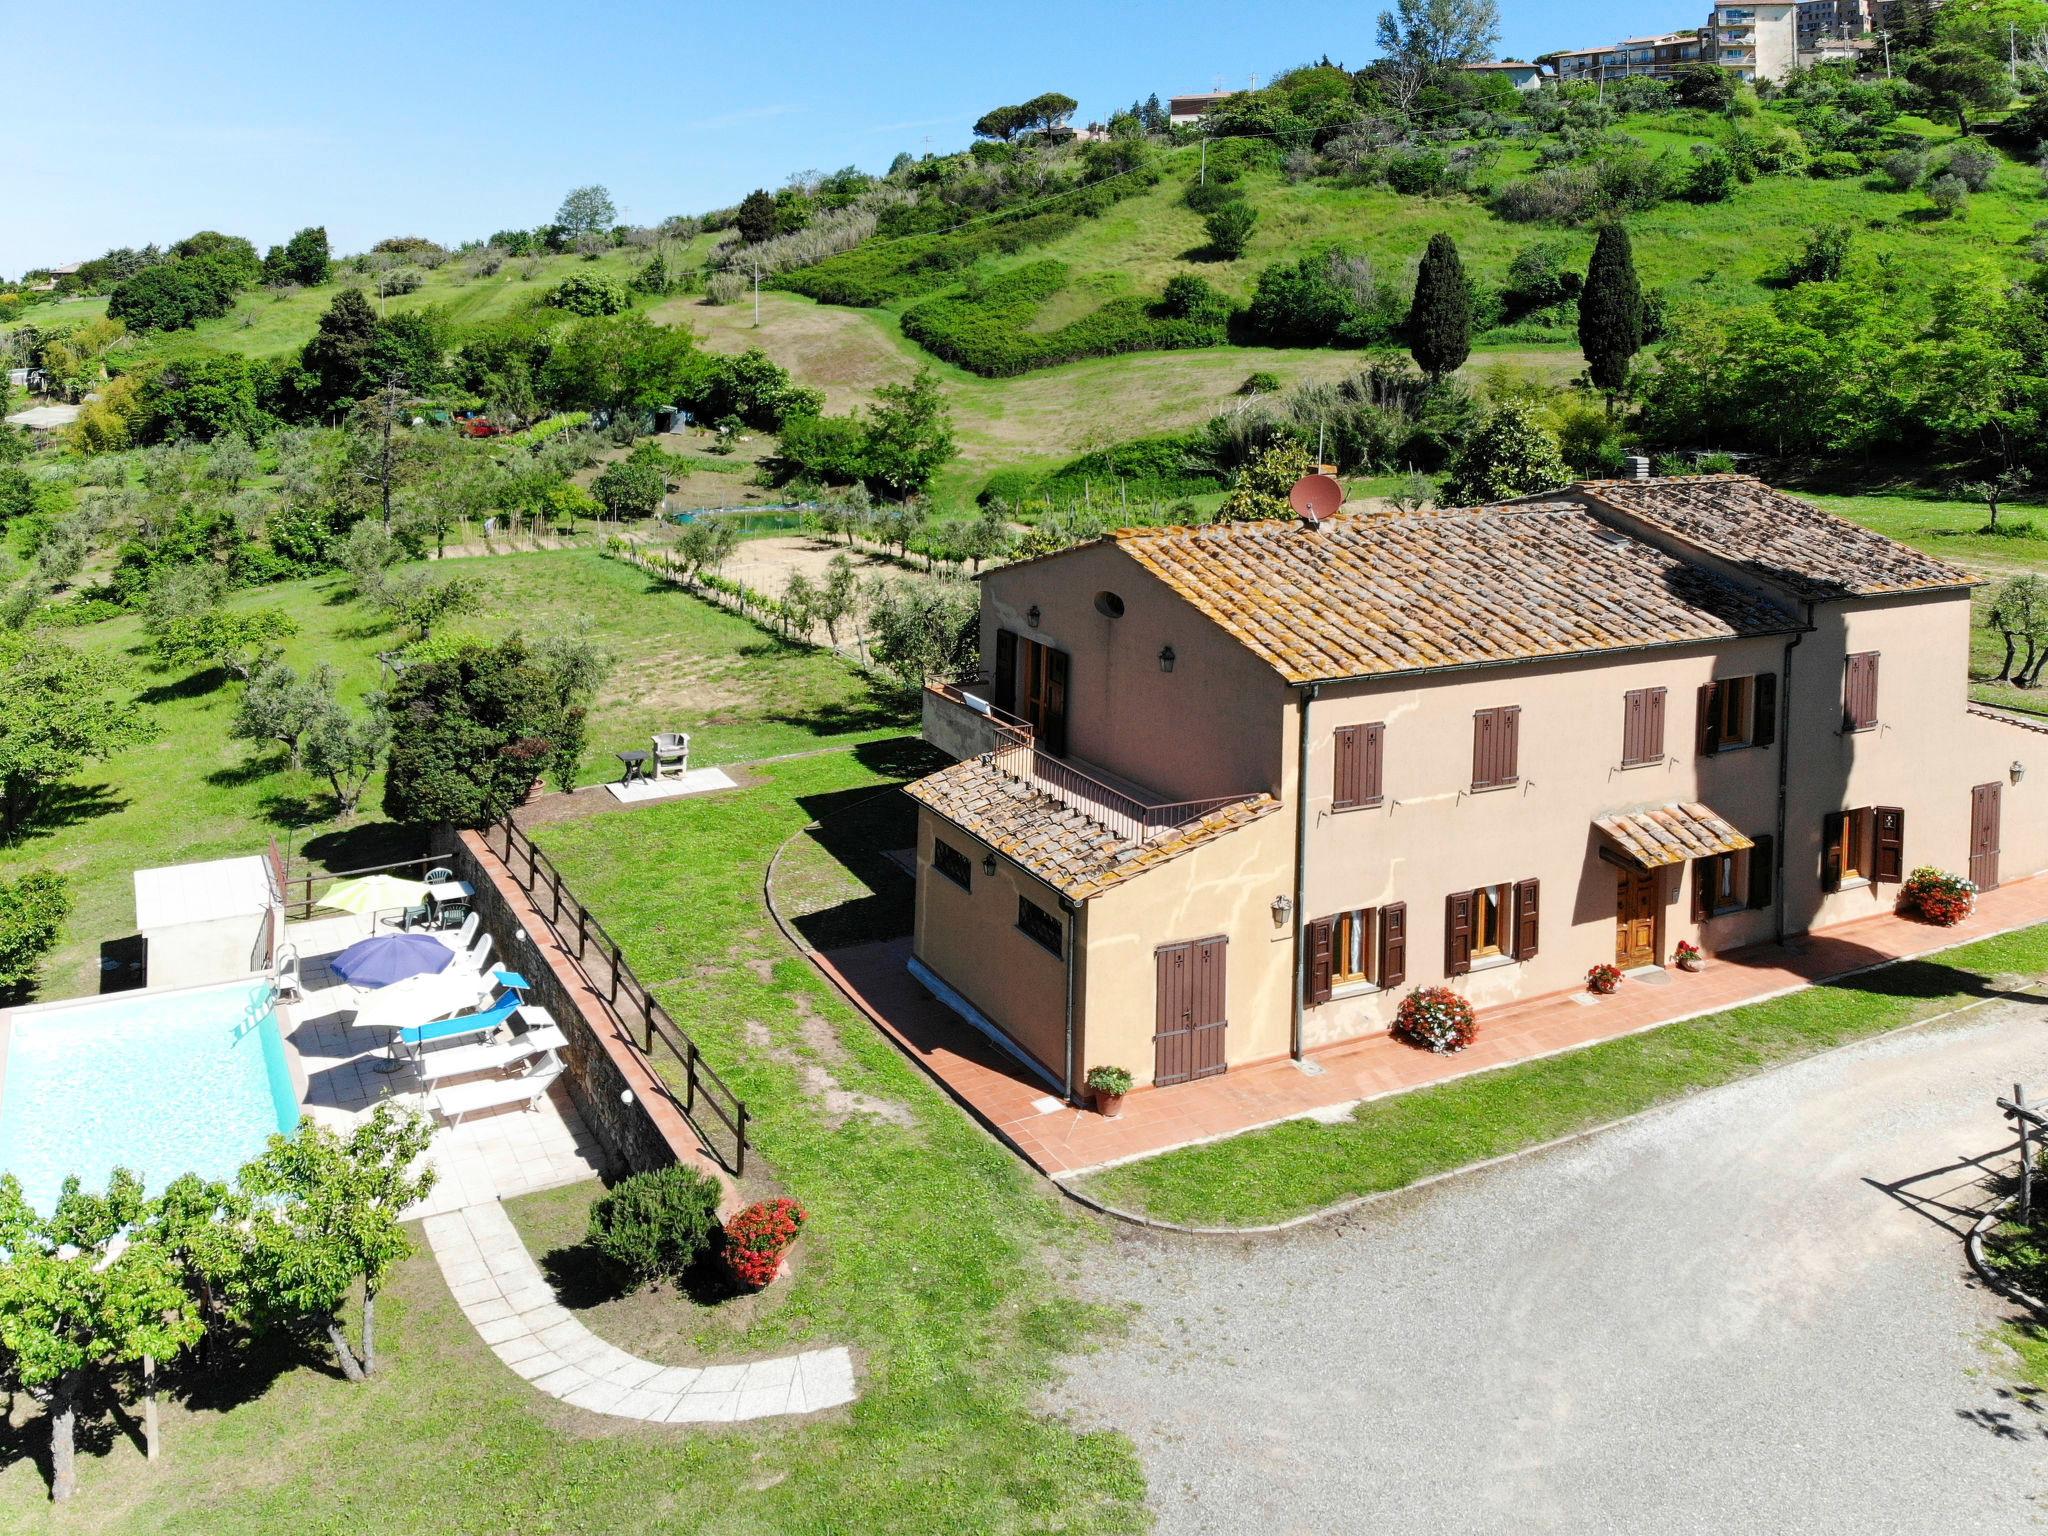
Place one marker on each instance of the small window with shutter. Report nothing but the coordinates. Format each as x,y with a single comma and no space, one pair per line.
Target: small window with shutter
1356,781
1859,692
1496,746
1642,727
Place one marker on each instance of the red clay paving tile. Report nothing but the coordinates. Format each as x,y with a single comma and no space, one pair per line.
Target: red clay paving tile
1001,1092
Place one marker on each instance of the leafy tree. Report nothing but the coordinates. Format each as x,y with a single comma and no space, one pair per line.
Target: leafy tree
1230,228
704,544
328,1218
33,907
84,1293
302,259
342,357
800,604
582,294
1699,84
1003,123
839,597
1997,489
189,625
2019,612
1512,454
1822,259
909,435
624,364
173,297
344,748
418,598
829,449
586,211
473,725
631,487
1422,37
1949,195
1611,311
1261,487
1955,78
757,217
924,629
233,256
1048,112
1440,318
988,537
60,708
281,705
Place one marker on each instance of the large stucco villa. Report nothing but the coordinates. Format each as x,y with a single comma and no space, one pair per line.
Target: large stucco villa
1227,793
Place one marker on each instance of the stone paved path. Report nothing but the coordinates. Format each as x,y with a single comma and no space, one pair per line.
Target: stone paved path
503,1293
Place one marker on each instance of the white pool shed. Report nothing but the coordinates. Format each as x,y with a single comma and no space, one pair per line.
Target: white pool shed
207,922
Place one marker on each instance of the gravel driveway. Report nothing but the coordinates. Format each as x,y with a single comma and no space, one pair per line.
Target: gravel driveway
1708,1320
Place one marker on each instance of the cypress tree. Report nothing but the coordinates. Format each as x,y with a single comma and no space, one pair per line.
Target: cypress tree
1611,311
1440,318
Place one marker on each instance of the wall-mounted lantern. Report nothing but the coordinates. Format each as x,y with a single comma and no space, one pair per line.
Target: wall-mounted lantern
988,864
1031,615
1166,658
1282,905
2018,770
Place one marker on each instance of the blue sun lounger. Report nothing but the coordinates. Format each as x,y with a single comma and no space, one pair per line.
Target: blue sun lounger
502,1008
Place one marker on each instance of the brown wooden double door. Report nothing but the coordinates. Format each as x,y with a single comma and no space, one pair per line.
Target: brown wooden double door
1031,681
1638,908
1984,817
1192,1000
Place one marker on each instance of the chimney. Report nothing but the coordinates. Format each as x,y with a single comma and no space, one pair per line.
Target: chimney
1638,466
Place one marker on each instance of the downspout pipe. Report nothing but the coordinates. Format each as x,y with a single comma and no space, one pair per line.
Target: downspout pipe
1784,778
1073,911
1309,694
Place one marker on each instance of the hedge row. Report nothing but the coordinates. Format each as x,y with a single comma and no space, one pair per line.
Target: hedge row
1156,466
882,271
983,327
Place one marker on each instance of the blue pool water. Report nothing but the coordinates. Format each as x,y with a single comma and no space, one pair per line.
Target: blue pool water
191,1081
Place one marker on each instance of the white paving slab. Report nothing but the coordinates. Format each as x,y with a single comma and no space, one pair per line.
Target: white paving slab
698,781
499,1288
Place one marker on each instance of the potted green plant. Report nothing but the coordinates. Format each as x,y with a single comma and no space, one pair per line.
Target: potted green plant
1688,956
1109,1085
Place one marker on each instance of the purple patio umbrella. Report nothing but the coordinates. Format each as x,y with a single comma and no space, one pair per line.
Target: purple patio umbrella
391,957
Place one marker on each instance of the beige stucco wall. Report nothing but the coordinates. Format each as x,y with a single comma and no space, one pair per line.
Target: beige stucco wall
971,939
1434,835
1223,888
1924,756
1209,727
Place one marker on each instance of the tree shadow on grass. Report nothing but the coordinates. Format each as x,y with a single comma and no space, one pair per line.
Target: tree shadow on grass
366,845
236,1371
68,805
248,771
874,709
295,810
194,685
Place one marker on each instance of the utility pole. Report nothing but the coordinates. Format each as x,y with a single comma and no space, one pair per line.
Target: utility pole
390,410
757,293
1886,39
1204,177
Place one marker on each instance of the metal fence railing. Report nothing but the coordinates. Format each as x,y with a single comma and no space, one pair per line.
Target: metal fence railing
714,1111
300,906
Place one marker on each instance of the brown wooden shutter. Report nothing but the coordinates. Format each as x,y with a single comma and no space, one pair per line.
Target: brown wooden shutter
1526,920
1763,728
1831,828
1710,719
1762,869
1634,706
1702,881
1393,943
1345,776
1316,983
1889,863
1006,671
1371,790
1457,933
1510,744
1653,726
1859,691
1055,740
1485,747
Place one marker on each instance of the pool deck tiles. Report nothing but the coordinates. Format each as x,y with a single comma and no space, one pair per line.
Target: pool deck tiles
547,1346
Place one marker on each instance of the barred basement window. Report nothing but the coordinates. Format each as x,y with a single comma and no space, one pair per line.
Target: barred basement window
953,864
1039,926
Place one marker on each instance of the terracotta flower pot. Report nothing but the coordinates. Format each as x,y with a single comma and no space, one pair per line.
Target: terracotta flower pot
1108,1105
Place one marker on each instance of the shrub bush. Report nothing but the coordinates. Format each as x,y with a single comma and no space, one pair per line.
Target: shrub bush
656,1224
1835,165
1972,165
1903,168
985,326
1712,179
33,907
1230,229
1568,196
1541,275
1208,196
757,1238
1437,1019
1260,382
1416,172
1937,896
1949,195
1335,299
581,293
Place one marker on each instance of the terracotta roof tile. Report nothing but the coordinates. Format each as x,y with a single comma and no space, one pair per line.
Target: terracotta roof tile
1076,856
1671,834
1362,595
1778,537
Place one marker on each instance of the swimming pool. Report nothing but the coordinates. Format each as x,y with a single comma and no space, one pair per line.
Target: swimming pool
191,1081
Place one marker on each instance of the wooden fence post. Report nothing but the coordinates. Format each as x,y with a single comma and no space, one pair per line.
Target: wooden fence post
2019,1099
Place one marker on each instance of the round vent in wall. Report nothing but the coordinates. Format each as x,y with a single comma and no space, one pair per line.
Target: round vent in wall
1109,605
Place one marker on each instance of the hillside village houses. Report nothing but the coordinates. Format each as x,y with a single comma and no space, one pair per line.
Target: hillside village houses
1226,793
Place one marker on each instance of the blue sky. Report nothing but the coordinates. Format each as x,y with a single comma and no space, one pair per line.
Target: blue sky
133,123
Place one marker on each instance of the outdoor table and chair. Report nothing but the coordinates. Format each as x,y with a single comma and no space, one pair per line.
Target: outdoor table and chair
635,764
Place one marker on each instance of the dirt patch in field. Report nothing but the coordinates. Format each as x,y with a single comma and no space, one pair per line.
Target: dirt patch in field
840,1102
841,351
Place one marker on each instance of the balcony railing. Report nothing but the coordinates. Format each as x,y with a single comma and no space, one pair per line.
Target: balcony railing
1124,816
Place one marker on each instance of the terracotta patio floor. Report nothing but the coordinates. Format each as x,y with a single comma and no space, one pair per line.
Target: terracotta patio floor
1062,1141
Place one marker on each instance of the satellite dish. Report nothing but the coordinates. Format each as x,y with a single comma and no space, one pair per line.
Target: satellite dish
1316,497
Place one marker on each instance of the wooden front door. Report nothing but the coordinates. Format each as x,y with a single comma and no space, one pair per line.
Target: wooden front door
1188,1034
1984,809
1045,696
1637,909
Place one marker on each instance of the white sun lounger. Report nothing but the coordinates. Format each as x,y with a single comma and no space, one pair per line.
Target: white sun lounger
459,1099
490,1055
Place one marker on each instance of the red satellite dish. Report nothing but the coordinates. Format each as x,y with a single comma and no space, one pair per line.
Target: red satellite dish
1316,497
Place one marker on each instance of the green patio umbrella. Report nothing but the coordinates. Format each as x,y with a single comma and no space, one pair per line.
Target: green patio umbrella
374,893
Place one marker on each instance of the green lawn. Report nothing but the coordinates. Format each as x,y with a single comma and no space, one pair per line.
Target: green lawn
928,1251
1270,1175
193,793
